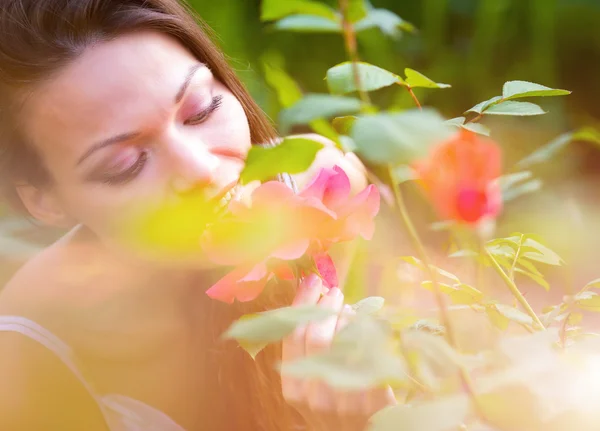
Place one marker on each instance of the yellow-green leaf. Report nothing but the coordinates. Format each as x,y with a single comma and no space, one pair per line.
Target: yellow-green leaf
417,79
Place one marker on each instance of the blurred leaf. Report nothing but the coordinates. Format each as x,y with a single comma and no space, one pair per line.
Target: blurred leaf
416,262
549,150
417,79
477,128
340,78
357,10
465,294
388,22
464,253
288,92
480,107
399,138
593,284
348,144
513,108
543,254
522,189
343,125
444,288
510,408
499,320
590,301
537,278
369,305
275,9
574,319
445,414
314,106
518,89
458,121
404,173
308,24
513,314
255,331
360,357
292,156
509,180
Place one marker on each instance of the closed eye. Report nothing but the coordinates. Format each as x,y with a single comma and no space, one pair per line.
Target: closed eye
205,113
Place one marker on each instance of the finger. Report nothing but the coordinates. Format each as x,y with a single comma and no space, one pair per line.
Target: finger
319,334
379,398
309,290
318,338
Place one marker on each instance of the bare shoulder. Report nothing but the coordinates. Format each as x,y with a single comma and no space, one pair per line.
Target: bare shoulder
49,280
330,155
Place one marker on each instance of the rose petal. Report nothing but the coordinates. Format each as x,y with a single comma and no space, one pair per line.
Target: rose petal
326,269
292,251
243,284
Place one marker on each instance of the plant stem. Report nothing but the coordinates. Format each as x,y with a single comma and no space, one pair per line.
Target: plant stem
352,51
514,290
414,97
442,308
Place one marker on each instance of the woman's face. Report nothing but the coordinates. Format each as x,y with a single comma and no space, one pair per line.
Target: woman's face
135,121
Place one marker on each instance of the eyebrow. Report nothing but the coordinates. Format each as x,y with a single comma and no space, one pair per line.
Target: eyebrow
132,135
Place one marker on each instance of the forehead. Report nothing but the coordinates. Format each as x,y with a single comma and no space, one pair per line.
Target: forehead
111,88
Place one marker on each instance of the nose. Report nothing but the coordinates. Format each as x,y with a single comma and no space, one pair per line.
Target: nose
192,165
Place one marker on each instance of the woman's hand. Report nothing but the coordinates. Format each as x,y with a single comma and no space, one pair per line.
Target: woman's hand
324,408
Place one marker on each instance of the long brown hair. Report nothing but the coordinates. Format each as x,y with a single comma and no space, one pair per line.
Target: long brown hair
37,39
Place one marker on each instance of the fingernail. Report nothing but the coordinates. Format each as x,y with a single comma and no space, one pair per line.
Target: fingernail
311,282
333,292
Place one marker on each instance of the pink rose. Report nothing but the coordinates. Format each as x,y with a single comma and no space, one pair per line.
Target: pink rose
277,231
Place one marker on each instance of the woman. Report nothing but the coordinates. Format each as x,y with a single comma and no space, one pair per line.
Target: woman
107,104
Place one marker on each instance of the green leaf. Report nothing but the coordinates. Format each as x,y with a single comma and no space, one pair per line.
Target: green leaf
519,109
458,121
340,78
522,189
254,331
416,79
518,89
360,357
343,125
275,9
444,414
480,107
416,262
404,173
465,294
348,144
593,284
399,138
388,22
590,301
477,128
513,314
357,10
535,277
292,156
315,106
546,152
288,92
498,319
507,181
543,254
308,24
369,305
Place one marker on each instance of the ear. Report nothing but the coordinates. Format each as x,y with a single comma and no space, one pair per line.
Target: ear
43,205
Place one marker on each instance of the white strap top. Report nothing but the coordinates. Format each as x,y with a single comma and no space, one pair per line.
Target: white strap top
120,412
